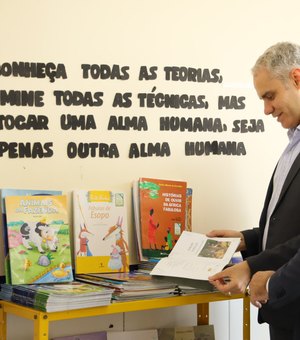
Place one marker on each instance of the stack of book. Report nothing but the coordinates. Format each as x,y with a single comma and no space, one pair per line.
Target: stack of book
132,286
57,297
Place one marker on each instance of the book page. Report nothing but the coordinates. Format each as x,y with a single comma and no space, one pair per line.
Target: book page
196,256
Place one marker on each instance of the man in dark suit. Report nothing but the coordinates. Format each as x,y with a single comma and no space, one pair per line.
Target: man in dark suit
276,76
279,289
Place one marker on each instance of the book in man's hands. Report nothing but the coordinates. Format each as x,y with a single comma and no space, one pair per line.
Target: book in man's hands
196,257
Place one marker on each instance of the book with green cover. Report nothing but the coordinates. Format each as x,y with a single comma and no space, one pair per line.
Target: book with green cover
38,239
4,256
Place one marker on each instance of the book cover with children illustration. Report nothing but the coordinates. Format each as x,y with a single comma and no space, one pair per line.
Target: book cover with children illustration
162,215
4,265
100,231
38,239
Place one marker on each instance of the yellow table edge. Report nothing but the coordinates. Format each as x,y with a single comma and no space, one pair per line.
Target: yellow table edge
41,319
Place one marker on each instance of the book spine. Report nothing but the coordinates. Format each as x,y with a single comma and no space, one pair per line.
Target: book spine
40,301
23,297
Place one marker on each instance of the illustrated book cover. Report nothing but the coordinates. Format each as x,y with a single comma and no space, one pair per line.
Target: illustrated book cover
4,262
162,215
100,231
38,239
196,256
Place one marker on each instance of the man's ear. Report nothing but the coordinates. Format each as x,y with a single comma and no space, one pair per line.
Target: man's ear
295,75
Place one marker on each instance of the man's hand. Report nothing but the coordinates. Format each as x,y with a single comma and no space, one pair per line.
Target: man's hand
232,280
229,233
258,288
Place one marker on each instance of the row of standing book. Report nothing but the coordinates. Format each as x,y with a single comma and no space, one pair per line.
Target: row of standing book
39,241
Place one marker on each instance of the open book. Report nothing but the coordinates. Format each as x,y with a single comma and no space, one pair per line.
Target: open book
196,256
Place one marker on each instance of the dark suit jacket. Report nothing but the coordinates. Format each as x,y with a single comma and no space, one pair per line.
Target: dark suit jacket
283,243
284,285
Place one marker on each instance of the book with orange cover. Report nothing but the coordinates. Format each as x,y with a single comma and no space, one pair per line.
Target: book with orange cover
162,205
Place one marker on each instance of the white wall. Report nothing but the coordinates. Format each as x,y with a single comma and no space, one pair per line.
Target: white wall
226,35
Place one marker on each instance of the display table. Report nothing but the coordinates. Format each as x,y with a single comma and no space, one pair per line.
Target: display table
41,320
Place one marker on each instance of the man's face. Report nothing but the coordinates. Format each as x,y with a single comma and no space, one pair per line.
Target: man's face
281,99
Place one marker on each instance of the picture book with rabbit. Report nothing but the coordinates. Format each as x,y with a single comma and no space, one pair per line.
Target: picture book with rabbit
38,239
100,231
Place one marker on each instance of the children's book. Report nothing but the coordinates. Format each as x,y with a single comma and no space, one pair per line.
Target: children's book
162,215
4,263
196,256
38,239
100,231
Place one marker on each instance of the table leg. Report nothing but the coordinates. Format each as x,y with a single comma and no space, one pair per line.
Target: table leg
202,314
246,318
3,319
41,326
